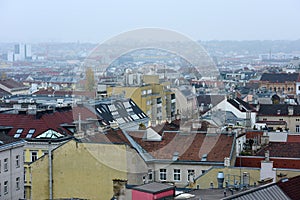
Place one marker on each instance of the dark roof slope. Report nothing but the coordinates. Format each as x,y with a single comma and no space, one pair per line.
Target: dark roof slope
291,187
278,109
5,139
284,189
280,77
240,104
10,83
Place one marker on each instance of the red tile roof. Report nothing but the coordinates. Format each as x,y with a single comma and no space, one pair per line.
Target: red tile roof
51,91
190,147
281,149
111,136
293,138
254,161
45,122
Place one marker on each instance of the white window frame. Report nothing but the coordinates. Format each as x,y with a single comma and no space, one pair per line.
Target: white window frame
31,156
177,175
162,174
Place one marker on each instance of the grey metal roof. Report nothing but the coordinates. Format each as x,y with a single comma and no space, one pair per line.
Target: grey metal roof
266,192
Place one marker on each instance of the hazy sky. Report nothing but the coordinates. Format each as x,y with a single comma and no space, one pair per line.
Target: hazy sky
96,21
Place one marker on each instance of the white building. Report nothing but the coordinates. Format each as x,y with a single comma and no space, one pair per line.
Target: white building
11,168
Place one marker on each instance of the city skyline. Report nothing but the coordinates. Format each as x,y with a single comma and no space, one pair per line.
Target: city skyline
92,21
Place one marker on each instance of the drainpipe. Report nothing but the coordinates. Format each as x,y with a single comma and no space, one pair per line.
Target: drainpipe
50,171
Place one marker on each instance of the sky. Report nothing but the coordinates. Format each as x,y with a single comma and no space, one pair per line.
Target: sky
98,20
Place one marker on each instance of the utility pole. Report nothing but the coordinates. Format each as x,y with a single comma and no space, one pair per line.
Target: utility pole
50,172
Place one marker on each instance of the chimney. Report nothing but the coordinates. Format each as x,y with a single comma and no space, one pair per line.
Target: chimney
267,155
291,110
119,188
257,107
266,170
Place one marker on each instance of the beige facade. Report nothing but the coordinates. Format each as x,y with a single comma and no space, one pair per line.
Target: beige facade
292,122
280,88
85,170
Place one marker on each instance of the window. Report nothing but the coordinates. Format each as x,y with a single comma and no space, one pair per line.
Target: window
17,183
33,156
30,133
148,102
18,133
297,120
297,128
191,175
150,175
163,174
17,161
25,171
176,174
281,119
5,187
5,164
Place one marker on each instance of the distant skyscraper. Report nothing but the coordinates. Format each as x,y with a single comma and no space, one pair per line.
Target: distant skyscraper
22,52
28,54
19,52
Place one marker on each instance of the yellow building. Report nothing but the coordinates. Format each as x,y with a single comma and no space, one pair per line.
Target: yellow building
154,99
85,170
33,150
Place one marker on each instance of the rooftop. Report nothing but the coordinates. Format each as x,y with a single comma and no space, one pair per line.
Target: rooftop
280,77
154,187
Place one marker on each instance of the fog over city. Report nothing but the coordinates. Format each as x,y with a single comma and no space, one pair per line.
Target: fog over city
159,99
95,21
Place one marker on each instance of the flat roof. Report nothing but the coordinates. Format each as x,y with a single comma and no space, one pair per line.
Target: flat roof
154,187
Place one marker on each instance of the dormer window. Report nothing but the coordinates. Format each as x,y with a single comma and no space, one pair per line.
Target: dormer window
18,133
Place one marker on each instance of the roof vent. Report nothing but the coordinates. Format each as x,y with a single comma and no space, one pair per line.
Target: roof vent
175,156
204,157
278,112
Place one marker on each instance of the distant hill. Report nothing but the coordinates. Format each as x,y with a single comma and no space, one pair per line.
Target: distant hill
252,47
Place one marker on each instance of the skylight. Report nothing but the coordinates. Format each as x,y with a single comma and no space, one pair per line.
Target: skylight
30,133
18,133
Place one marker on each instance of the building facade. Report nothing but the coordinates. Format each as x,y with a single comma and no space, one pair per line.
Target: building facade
85,170
11,168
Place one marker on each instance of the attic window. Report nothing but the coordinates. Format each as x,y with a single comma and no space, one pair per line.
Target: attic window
30,133
18,133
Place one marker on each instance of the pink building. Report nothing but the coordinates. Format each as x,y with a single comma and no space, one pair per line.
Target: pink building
152,191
